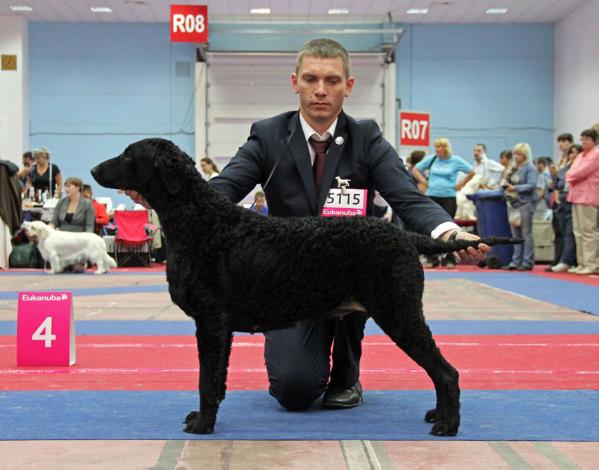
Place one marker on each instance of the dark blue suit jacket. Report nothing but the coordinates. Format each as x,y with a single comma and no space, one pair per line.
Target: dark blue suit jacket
364,157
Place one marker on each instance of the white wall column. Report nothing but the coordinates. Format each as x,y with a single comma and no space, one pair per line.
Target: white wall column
14,90
389,102
577,70
201,111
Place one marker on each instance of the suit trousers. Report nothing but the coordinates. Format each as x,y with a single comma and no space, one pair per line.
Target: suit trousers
584,219
298,359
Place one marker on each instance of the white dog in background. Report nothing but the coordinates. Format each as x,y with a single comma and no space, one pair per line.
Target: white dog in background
62,249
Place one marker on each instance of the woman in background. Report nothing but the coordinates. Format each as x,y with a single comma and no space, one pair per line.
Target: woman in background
209,168
41,173
519,187
443,168
74,213
563,213
583,178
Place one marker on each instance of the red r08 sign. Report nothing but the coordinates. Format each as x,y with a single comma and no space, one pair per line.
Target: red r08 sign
189,23
414,128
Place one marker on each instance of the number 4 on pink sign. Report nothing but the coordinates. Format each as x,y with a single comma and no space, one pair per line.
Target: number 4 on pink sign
44,333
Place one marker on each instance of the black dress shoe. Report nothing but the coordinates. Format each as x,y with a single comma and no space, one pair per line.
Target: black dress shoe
509,267
524,268
338,399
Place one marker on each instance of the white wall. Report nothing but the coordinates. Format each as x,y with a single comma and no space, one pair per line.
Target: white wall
14,104
577,70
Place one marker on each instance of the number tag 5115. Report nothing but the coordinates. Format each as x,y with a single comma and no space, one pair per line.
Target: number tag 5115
348,202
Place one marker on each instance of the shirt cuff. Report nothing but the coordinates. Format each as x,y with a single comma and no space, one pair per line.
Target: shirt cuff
444,227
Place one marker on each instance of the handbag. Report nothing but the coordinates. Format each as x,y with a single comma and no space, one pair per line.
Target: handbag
48,209
514,216
25,255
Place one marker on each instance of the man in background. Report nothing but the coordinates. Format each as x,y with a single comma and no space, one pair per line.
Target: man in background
490,170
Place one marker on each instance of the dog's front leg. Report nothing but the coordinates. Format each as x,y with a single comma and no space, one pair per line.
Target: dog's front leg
214,349
55,264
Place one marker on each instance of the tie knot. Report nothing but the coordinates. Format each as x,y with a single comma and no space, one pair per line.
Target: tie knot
320,146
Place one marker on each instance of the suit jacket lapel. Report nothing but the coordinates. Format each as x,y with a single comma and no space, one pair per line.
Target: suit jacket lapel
298,148
332,162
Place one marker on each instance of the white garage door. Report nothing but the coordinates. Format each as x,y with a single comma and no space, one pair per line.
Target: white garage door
243,88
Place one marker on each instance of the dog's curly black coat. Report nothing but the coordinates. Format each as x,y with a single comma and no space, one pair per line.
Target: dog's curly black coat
233,270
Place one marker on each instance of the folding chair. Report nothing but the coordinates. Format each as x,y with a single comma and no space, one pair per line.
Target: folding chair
133,239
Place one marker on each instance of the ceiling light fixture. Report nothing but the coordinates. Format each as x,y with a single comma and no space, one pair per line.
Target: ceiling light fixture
21,8
417,11
338,11
497,11
101,9
260,11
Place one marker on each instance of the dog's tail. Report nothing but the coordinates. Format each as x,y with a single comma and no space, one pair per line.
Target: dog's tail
109,261
430,246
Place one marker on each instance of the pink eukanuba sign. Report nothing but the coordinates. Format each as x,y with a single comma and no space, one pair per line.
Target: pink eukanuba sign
45,329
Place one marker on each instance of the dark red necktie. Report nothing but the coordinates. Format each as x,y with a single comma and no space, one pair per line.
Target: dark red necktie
320,149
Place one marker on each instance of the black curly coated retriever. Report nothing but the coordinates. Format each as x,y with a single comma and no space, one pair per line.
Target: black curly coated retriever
233,270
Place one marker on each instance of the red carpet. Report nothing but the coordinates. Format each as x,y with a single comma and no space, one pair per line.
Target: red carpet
501,362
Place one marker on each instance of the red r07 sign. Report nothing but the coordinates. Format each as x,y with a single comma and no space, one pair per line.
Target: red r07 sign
189,23
414,128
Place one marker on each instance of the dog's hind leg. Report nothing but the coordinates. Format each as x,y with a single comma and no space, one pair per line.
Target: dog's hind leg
416,340
214,349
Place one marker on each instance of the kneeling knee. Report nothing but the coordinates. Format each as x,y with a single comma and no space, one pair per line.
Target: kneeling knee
296,395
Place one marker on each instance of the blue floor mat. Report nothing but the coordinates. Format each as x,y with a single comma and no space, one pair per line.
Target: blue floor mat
571,294
387,415
438,327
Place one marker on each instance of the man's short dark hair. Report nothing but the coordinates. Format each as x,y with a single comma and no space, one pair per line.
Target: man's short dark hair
567,137
506,154
86,187
324,48
483,146
590,133
416,156
28,156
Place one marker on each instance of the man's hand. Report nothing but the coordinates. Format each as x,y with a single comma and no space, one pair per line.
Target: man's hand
137,198
476,254
509,187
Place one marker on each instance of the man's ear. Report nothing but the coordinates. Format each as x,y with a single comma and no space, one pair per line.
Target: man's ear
294,82
349,86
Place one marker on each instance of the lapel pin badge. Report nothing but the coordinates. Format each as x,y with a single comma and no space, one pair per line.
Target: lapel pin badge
339,140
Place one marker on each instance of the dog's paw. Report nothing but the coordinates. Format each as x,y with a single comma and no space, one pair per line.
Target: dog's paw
197,426
447,427
431,416
191,416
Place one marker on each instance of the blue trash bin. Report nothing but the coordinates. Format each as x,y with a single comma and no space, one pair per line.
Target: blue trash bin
492,221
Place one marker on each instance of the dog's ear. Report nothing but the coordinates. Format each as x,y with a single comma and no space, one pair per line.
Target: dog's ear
173,166
42,230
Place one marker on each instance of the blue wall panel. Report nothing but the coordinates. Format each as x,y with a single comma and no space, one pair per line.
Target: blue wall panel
96,87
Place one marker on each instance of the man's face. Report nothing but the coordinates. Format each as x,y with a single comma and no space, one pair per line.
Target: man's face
586,142
478,153
27,162
563,145
322,86
87,194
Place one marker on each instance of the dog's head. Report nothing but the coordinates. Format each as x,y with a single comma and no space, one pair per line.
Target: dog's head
150,167
36,230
